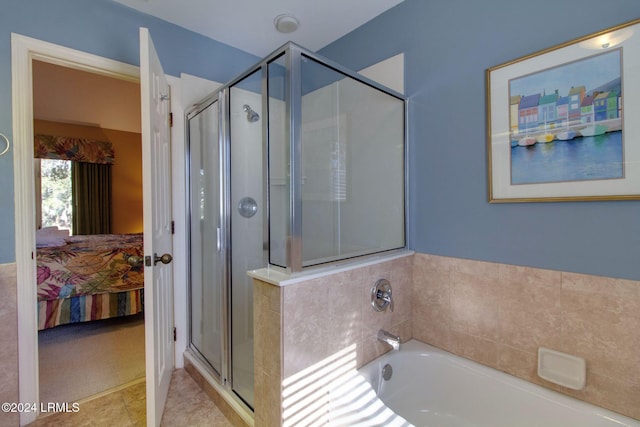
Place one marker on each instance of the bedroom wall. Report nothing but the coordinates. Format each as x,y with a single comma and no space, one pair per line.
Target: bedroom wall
126,213
448,46
126,173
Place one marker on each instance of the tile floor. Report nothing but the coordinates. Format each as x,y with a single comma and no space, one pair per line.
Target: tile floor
187,405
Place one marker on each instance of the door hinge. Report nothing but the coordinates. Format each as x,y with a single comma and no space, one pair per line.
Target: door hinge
174,334
173,227
170,120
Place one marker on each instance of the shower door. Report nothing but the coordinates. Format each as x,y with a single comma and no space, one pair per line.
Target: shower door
207,288
247,217
226,231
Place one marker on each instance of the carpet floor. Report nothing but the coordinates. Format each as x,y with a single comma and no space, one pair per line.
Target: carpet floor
80,360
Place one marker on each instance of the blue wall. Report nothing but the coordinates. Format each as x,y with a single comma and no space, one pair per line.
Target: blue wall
107,29
448,45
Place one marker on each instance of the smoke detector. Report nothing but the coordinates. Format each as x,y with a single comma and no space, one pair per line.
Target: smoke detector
286,23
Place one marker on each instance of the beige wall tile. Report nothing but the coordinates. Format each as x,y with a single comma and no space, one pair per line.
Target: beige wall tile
344,326
379,270
9,339
475,348
350,277
487,270
267,303
425,263
431,287
495,314
499,315
430,324
268,408
473,300
319,318
603,328
305,320
529,308
402,285
601,285
521,364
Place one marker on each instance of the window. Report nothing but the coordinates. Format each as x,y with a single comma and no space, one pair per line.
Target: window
56,196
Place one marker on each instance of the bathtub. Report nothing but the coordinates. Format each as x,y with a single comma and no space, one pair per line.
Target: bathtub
430,387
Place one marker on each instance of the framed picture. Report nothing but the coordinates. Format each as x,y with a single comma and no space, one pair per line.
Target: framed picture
563,124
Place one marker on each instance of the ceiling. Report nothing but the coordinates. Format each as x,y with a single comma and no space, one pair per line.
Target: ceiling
249,24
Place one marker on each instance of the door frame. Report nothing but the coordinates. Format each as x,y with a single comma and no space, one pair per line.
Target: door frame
23,51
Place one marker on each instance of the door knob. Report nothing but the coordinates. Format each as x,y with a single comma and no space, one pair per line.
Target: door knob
134,261
165,259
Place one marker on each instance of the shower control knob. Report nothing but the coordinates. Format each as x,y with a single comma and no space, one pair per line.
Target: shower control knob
247,207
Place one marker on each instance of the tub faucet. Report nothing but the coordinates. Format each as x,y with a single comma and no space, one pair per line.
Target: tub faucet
392,340
381,296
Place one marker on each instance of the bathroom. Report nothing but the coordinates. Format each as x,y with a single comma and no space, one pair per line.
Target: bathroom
463,289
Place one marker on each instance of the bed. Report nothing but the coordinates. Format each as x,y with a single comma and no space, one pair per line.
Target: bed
83,278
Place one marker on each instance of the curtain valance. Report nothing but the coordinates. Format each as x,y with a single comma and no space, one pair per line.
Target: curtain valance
76,149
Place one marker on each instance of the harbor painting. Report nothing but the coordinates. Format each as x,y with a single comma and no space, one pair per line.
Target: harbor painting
565,122
561,122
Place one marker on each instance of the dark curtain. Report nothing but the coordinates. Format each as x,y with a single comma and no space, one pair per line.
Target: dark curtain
91,194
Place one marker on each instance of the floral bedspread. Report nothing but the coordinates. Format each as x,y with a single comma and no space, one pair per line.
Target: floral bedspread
89,265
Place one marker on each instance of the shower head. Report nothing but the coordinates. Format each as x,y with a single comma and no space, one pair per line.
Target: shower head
252,116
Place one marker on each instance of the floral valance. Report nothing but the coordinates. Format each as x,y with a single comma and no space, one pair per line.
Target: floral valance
77,149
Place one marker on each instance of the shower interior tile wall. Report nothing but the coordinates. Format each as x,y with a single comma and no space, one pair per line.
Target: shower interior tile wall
495,314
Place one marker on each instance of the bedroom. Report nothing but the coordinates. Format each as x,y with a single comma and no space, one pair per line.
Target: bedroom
72,106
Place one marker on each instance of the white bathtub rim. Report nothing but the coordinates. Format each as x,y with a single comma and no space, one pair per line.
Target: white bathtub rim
425,350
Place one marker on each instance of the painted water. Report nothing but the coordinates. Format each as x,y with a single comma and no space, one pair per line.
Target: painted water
580,159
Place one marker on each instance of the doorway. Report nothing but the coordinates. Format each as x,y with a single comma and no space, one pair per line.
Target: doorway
79,355
23,51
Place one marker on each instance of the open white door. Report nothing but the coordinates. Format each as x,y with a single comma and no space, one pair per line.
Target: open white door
158,273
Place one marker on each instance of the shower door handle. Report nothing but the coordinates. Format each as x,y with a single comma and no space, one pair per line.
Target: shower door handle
218,238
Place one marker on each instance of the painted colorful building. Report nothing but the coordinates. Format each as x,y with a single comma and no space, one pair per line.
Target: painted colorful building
528,113
576,95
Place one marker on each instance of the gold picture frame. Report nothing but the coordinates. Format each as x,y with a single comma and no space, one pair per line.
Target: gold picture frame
555,121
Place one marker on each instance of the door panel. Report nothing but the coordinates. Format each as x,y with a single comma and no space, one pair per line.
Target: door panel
207,264
156,170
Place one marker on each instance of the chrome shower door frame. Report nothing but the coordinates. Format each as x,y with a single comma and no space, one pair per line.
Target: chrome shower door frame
293,255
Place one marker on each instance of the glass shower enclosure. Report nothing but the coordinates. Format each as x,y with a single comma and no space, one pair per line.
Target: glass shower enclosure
296,164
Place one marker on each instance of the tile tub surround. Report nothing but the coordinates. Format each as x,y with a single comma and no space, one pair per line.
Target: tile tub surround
499,315
301,326
9,340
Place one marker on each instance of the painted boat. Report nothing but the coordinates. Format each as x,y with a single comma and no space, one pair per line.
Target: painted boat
545,137
593,130
566,135
527,140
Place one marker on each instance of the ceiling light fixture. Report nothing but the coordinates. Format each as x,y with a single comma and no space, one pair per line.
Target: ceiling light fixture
286,23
